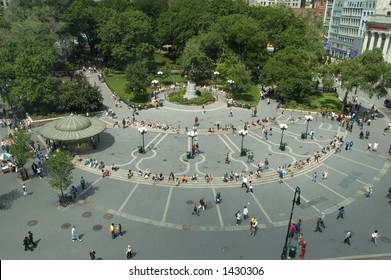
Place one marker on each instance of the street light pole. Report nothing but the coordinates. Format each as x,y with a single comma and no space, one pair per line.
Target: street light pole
283,128
192,134
242,133
297,202
308,118
231,83
142,130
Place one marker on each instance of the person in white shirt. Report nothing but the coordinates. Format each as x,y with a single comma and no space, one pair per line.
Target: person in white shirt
245,212
374,237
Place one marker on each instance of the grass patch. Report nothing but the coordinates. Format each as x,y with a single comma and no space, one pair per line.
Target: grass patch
250,98
117,84
178,98
317,102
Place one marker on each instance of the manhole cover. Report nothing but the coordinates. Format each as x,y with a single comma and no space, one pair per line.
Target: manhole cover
164,160
270,154
189,202
186,227
225,249
321,136
300,147
107,216
113,154
65,226
97,227
86,214
385,239
218,161
32,223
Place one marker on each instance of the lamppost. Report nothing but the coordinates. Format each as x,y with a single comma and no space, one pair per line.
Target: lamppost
160,74
231,85
242,133
216,74
308,118
192,134
270,48
297,202
283,128
142,130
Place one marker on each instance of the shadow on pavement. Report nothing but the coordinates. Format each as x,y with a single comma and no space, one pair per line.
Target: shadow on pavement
7,199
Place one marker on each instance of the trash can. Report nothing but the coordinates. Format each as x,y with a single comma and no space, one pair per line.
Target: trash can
188,155
282,146
303,135
140,150
94,145
292,252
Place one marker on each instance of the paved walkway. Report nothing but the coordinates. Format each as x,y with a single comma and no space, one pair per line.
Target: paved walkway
160,212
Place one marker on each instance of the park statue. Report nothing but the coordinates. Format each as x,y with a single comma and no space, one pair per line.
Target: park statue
191,91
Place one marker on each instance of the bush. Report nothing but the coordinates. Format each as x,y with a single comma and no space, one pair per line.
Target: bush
203,98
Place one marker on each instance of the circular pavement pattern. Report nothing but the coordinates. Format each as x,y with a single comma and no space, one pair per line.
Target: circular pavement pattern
32,223
87,214
97,228
65,226
107,216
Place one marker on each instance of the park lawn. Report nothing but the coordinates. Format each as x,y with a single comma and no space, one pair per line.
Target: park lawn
162,62
250,98
318,102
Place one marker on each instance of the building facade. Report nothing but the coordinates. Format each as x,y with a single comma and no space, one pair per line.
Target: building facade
344,26
378,30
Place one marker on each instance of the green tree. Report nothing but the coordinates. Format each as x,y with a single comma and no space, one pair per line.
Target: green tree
79,97
126,37
60,168
194,62
231,68
290,70
20,150
152,8
137,77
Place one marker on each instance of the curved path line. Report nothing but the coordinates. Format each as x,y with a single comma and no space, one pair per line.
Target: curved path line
233,159
192,110
181,158
197,163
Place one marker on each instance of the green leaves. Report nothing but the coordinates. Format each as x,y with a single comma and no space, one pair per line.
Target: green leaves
20,149
60,168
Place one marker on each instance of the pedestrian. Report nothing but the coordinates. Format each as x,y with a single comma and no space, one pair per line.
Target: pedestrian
374,237
314,177
82,183
195,209
350,144
348,235
203,109
389,193
31,239
119,230
341,212
202,204
250,187
346,145
281,176
244,182
26,244
92,255
123,123
312,134
369,146
238,218
218,198
297,229
75,236
325,174
227,158
245,212
368,193
230,113
128,252
317,227
73,191
253,226
375,146
292,230
112,230
24,188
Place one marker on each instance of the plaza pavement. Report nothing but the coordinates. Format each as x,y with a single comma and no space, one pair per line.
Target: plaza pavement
156,217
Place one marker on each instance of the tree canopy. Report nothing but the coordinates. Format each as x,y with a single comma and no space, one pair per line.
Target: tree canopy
60,168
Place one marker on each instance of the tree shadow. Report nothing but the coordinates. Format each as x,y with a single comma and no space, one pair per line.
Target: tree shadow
89,191
106,140
7,199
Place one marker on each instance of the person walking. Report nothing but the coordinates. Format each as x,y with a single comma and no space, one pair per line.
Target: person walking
202,204
292,230
341,212
31,239
119,230
75,236
24,188
230,113
317,226
368,193
253,226
73,191
325,174
92,255
26,244
348,235
218,198
314,177
112,230
195,210
350,144
245,213
250,187
82,183
238,218
374,237
128,252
